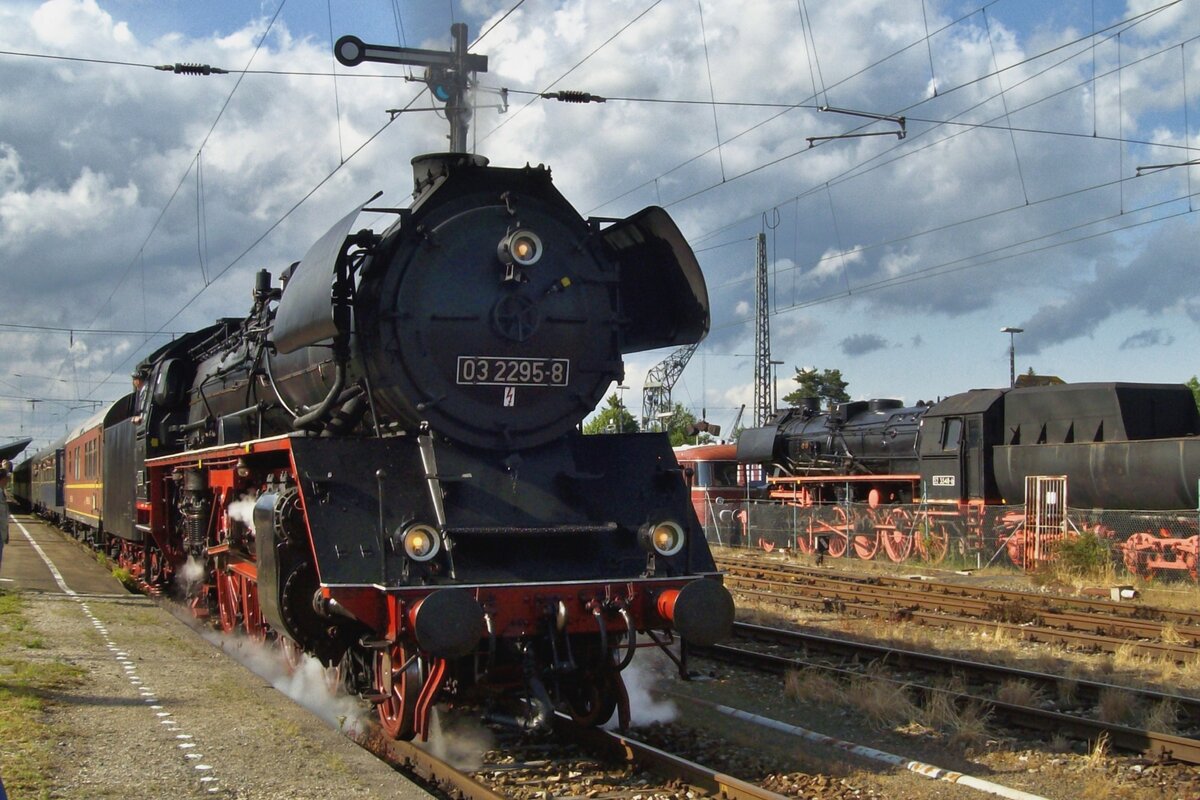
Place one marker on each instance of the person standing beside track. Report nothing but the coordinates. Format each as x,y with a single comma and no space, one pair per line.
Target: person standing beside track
5,473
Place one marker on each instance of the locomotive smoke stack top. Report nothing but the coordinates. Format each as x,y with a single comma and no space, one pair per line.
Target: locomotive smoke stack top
431,169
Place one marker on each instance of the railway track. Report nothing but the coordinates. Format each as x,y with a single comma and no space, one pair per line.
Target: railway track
580,760
778,651
1081,623
577,761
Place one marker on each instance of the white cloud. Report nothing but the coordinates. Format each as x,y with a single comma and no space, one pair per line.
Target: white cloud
902,241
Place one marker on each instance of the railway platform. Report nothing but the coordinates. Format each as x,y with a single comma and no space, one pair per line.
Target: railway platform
147,707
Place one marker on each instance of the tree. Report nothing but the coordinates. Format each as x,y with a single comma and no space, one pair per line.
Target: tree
1194,385
677,425
828,385
613,418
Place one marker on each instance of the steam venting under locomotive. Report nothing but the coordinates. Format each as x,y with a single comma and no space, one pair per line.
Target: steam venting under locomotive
381,465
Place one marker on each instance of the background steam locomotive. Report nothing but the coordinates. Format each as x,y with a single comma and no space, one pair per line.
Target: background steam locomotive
925,477
381,465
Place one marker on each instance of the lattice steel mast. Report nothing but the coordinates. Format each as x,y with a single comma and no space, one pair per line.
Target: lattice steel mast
763,410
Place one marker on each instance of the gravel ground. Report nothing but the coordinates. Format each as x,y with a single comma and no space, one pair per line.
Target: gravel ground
165,715
1053,768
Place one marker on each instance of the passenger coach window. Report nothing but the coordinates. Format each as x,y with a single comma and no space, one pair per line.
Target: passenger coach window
951,433
725,473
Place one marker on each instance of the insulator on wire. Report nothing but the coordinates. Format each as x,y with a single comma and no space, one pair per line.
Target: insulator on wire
573,97
192,69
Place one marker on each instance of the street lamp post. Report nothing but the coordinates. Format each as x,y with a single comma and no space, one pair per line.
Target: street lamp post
1012,353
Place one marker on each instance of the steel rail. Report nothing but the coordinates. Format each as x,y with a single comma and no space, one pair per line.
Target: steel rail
1113,608
1032,633
881,602
1155,744
976,605
616,745
428,768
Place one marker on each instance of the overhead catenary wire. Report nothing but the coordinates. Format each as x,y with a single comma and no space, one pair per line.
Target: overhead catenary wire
810,102
996,255
933,121
890,155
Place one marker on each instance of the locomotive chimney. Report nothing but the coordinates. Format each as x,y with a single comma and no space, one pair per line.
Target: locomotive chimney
432,168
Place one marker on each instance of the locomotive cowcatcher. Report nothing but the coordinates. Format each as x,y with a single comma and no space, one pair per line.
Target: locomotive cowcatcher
382,464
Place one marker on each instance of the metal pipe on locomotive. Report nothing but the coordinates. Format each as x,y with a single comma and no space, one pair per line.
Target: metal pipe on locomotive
381,465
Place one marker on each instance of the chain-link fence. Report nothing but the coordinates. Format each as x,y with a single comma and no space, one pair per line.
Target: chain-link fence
1147,544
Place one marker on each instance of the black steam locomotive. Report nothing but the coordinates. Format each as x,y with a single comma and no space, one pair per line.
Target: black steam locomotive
381,465
404,415
1119,445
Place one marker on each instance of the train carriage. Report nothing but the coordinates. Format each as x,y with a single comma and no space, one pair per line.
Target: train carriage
82,478
47,474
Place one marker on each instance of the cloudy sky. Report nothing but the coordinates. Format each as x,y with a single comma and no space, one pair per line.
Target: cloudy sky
135,202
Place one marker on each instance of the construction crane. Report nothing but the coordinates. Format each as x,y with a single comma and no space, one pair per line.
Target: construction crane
660,380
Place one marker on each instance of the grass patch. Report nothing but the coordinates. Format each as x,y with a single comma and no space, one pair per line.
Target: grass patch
1085,556
27,742
812,686
126,579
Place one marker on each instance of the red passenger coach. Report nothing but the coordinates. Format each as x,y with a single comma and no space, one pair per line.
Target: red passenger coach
720,487
83,484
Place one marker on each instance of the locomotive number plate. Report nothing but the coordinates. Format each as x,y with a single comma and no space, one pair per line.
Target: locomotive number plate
943,480
489,371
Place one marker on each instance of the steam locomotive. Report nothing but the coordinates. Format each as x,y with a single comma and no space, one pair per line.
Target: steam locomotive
962,472
1120,445
381,465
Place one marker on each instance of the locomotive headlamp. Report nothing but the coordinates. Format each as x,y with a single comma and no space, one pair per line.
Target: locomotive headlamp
665,538
421,542
521,247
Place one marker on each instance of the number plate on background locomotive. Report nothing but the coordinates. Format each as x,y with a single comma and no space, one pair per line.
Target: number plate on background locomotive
487,371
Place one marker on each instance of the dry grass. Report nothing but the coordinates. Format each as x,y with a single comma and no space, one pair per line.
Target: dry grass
1117,706
1162,717
969,729
812,685
1019,692
1170,635
883,702
1127,658
1098,753
1060,743
1068,692
1187,675
963,723
941,706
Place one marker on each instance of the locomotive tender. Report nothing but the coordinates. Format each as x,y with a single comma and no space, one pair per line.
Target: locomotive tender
381,465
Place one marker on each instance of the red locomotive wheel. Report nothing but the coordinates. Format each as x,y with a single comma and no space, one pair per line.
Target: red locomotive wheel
292,653
398,681
838,538
805,542
897,535
866,536
252,611
228,602
933,540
